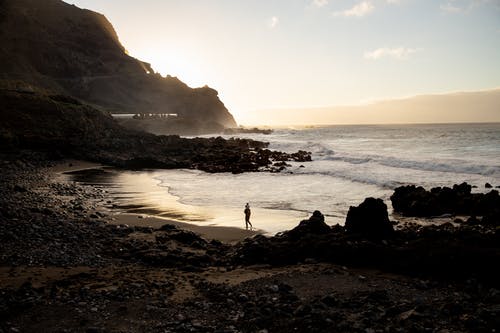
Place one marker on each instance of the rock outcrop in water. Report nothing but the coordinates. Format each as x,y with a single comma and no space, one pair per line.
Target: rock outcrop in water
414,200
57,48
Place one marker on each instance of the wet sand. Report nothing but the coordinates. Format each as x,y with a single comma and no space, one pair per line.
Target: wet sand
134,198
223,234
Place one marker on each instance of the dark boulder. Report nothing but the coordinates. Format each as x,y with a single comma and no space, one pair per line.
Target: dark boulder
188,238
473,220
370,219
314,225
463,188
459,200
492,219
412,201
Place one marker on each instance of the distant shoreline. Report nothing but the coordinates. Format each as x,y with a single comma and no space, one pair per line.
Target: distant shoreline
306,126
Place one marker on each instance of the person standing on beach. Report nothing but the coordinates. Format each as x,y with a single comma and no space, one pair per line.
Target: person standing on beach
248,212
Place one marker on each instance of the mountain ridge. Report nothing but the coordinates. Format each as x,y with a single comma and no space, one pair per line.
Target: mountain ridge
481,106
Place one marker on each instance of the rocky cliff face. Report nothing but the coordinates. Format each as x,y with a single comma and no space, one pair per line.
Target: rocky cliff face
53,46
64,127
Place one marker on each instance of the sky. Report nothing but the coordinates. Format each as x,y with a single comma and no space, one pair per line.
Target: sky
279,54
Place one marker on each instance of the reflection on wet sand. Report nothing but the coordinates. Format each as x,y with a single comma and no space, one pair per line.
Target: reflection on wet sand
140,193
137,192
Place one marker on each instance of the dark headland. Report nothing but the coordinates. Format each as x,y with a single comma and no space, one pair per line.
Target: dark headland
65,266
51,46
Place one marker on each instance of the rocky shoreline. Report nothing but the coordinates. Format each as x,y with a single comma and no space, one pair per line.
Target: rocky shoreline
74,130
64,268
458,200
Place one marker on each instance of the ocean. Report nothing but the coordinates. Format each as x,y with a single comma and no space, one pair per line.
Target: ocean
349,164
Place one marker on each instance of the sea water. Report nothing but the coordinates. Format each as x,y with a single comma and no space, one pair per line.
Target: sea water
349,164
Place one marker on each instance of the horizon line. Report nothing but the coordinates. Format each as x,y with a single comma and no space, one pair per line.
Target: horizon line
372,124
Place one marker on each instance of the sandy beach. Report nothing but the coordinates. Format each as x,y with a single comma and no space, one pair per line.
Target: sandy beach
74,260
148,200
141,193
223,234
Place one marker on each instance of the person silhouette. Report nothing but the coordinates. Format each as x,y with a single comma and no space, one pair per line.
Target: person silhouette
248,212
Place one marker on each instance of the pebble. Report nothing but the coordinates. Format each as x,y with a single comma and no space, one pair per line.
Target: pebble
50,240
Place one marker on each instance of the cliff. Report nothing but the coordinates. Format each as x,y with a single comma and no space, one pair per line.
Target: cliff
63,127
59,48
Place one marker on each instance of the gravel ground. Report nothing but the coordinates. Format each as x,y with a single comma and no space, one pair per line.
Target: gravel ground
63,268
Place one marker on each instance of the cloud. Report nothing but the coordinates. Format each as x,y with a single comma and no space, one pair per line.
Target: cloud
395,53
273,22
464,6
393,2
320,3
359,10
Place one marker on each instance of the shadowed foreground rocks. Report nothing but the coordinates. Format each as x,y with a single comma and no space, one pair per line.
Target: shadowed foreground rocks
370,219
443,251
63,268
314,225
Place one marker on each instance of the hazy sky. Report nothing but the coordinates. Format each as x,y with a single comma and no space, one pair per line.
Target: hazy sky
303,53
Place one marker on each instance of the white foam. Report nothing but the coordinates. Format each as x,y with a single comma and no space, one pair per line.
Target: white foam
350,164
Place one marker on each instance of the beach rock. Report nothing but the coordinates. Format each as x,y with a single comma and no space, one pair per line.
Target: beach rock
458,200
18,188
413,201
473,220
314,225
188,237
491,219
302,156
330,300
369,219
